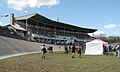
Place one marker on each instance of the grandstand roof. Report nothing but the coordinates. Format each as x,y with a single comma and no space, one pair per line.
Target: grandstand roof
45,20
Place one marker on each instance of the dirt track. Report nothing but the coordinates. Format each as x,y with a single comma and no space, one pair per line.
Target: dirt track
10,46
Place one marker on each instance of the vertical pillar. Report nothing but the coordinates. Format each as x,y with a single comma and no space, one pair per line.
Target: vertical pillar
55,35
71,32
28,33
26,24
37,27
64,31
37,32
11,18
85,35
44,32
55,29
44,29
78,33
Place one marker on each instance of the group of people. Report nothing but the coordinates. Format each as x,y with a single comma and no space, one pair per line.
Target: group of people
44,50
118,50
114,48
78,48
68,48
74,48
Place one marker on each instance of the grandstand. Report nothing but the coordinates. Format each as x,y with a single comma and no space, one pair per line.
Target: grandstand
35,27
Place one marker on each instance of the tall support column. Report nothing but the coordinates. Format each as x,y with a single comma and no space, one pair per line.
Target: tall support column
55,28
64,31
26,24
28,33
85,35
44,29
71,32
11,18
37,32
44,33
55,35
78,33
37,27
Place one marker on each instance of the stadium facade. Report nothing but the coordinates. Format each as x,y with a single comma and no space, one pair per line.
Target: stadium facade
35,27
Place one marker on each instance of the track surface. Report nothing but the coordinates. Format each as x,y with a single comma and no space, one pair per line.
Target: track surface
12,47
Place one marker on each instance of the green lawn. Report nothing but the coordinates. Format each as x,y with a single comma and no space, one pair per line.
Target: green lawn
60,62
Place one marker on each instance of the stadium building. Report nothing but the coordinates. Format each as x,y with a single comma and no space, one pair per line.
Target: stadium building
35,27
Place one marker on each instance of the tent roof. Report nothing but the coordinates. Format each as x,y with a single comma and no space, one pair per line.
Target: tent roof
97,41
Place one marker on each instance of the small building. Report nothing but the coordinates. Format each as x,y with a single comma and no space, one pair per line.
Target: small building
17,29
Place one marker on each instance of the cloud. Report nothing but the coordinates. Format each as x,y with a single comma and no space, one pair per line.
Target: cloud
25,11
1,6
110,26
19,5
1,23
98,34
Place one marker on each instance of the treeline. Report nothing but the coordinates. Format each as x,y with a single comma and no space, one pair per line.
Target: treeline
111,39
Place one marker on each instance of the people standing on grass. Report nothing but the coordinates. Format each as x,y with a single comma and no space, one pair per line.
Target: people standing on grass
50,49
69,47
44,51
118,50
104,50
73,51
66,49
79,50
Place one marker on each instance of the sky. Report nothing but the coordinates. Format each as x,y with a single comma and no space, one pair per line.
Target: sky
103,15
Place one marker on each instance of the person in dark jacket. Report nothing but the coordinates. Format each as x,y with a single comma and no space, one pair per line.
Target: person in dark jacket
73,51
44,51
66,49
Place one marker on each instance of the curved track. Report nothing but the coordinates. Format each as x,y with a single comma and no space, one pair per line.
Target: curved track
12,47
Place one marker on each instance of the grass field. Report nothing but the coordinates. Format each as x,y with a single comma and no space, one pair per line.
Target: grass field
60,62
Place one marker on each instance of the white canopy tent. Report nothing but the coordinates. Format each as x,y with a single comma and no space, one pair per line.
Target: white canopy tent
95,47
